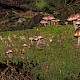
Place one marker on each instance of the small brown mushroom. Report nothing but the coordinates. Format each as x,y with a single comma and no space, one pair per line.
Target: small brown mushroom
78,15
55,22
77,21
43,22
74,17
45,18
31,39
24,45
39,39
48,18
77,34
9,53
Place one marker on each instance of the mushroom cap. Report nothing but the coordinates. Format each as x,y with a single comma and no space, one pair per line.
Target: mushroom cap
43,22
77,22
45,18
31,38
39,37
48,17
72,17
56,20
78,19
9,51
77,32
78,15
36,38
24,45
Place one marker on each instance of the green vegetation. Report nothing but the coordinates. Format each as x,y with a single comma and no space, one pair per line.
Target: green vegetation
58,8
40,4
56,60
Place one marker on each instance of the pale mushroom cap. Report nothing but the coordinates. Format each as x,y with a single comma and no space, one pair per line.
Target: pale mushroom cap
35,39
39,37
50,17
45,18
24,45
77,22
9,51
78,19
31,38
78,15
77,32
43,22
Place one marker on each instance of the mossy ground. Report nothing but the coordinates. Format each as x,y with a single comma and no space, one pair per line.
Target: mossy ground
56,60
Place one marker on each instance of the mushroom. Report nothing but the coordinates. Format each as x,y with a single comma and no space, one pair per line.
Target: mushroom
74,17
78,15
77,21
24,45
39,39
36,39
31,39
49,18
65,22
9,53
45,18
43,22
77,34
55,22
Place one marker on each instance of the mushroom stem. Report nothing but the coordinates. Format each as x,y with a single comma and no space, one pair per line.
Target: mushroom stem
78,41
32,42
38,42
76,26
44,24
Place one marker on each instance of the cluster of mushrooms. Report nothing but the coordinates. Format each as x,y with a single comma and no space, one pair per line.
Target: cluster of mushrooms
75,18
49,19
38,39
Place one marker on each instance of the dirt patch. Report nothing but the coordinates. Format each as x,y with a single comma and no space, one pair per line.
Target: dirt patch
12,71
